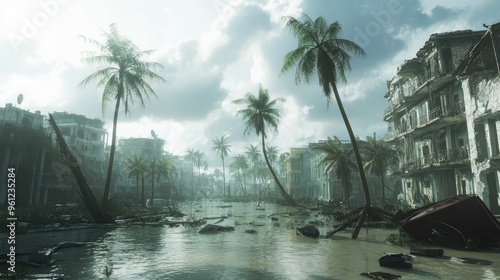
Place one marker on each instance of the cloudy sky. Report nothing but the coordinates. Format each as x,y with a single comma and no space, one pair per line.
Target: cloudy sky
215,51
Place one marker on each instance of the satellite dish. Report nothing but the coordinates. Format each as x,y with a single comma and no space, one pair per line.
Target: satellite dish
153,133
20,99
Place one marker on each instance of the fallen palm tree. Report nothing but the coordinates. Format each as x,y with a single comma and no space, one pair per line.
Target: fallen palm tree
93,205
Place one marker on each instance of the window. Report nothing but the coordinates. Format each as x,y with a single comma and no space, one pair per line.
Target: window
482,151
422,113
492,127
445,61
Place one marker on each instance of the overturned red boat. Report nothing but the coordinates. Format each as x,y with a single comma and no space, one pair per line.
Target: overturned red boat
464,217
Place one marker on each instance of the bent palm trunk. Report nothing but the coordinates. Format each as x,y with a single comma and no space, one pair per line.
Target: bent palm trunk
287,197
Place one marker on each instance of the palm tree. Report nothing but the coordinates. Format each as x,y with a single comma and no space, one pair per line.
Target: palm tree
190,156
272,153
320,50
378,155
123,78
164,169
221,147
253,154
240,166
134,165
338,160
259,114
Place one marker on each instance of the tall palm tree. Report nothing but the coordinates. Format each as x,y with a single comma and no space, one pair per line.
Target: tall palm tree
378,156
123,78
253,154
272,153
221,147
338,160
164,169
135,165
190,156
259,114
239,165
320,50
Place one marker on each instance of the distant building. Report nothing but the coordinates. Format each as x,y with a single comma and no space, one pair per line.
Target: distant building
297,172
23,146
19,117
443,114
87,137
146,148
304,175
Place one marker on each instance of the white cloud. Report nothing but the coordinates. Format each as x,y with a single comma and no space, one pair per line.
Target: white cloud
218,53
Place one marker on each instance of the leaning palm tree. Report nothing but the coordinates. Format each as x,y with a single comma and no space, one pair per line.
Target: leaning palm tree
123,78
378,156
221,147
321,51
259,114
338,160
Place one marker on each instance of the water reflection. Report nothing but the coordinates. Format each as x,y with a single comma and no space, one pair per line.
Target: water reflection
273,252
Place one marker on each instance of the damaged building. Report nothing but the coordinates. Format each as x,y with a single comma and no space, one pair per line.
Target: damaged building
443,116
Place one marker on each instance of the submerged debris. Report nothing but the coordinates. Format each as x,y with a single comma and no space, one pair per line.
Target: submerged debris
309,231
462,222
471,261
211,228
380,275
394,260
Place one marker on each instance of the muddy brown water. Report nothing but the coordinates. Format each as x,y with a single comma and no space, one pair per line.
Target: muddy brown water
273,252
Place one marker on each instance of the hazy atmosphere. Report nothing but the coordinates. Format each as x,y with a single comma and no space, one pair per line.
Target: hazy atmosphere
215,52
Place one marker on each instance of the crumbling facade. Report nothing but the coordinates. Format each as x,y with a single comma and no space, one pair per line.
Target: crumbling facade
443,117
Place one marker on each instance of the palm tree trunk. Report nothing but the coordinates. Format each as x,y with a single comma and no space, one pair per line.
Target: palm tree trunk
107,186
95,208
142,195
224,175
358,160
137,184
153,181
383,188
354,145
287,197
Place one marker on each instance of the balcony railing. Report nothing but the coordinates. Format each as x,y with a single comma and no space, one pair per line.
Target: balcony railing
434,159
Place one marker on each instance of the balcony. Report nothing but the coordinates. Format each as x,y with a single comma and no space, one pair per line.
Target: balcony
437,159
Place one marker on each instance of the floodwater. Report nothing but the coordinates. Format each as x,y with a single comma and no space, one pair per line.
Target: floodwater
273,252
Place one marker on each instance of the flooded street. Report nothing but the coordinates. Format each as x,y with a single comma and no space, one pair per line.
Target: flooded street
273,252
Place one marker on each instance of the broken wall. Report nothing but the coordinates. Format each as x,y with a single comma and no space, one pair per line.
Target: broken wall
482,105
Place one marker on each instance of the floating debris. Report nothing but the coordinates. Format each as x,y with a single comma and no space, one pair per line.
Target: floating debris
471,261
394,260
380,275
425,251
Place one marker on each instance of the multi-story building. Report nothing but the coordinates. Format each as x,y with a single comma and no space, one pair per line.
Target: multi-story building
304,175
19,117
23,146
86,137
297,172
147,148
434,118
